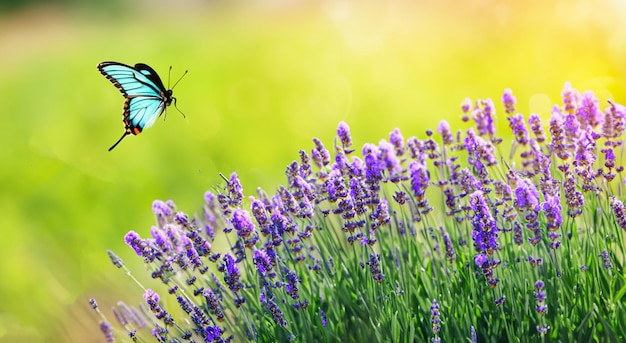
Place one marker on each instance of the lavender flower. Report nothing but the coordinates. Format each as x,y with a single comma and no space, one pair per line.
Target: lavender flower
444,130
541,308
374,211
320,154
614,124
420,179
107,330
232,273
558,144
570,98
243,223
262,261
213,304
618,210
607,259
573,197
277,313
509,101
483,116
588,112
485,232
435,317
152,299
381,215
323,316
450,253
520,132
389,160
374,264
235,191
343,132
535,126
115,259
161,209
397,140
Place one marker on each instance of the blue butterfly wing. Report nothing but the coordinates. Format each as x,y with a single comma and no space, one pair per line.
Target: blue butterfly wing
140,80
146,97
143,111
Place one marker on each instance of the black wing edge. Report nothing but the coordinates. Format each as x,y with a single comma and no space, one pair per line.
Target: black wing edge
117,85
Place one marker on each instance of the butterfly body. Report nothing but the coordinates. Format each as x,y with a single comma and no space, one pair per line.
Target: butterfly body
146,97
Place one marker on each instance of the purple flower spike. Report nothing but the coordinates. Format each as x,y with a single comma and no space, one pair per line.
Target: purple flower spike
540,298
450,253
573,197
618,210
483,116
134,241
152,299
607,259
535,126
397,140
343,131
443,128
209,199
107,330
387,156
509,101
527,196
381,214
213,304
258,211
589,113
357,167
320,154
262,261
276,312
374,264
485,231
552,209
614,123
182,219
609,158
570,98
435,317
420,179
516,123
291,286
232,273
243,223
373,166
235,191
480,260
542,329
161,209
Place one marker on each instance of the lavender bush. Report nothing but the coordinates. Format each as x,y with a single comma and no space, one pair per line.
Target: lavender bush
438,238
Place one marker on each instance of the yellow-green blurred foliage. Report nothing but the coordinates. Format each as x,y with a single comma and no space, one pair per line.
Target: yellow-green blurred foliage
264,78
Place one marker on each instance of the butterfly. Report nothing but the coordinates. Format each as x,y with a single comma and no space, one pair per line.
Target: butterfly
146,97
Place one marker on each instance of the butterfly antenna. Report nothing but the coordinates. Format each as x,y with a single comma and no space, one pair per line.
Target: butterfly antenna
126,133
169,77
180,78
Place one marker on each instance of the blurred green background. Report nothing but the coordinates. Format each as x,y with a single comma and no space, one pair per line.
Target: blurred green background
264,78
